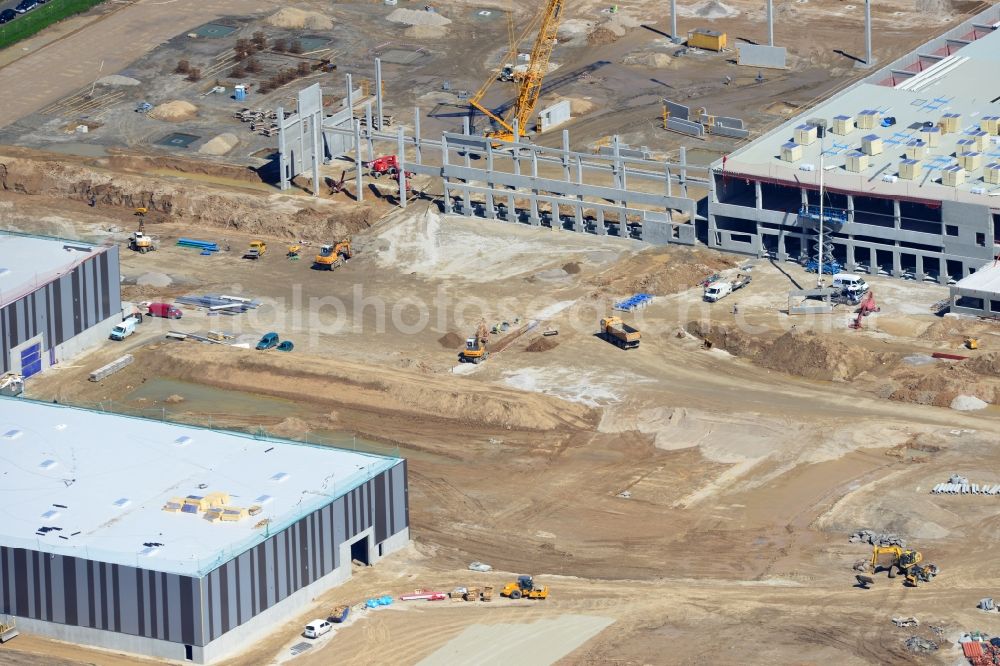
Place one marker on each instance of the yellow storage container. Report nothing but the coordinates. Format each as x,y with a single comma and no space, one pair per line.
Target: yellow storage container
991,173
871,144
916,150
931,136
710,40
910,169
970,161
949,122
843,125
856,162
868,119
805,134
953,176
791,152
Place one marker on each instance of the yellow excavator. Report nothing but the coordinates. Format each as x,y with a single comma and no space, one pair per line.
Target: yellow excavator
475,347
529,80
332,256
897,559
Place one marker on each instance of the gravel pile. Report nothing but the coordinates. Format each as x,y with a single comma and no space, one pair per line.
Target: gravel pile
417,17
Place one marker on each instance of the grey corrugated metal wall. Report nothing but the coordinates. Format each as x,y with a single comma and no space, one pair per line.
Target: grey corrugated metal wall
65,307
170,607
304,552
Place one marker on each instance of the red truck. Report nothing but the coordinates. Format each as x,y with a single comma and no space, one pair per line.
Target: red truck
165,310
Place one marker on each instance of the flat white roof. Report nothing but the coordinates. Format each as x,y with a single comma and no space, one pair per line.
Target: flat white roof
986,279
948,76
101,480
29,262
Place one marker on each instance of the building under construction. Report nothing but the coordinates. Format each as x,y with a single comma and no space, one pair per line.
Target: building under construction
179,542
909,160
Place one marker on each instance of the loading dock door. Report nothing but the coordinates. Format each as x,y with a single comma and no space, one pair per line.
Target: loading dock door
31,360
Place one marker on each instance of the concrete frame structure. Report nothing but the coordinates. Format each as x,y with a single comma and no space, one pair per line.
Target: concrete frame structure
978,295
636,197
95,581
57,298
877,222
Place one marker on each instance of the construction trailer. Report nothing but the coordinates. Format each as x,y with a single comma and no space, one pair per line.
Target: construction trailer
703,38
189,547
57,298
933,220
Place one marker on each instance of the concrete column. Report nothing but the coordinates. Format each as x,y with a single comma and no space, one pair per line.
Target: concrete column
782,254
770,22
490,205
350,94
897,268
850,264
869,61
601,229
416,135
850,208
579,225
359,184
444,179
758,194
315,126
466,201
401,152
378,93
804,196
670,185
565,155
512,215
283,149
683,166
534,218
674,37
368,130
919,270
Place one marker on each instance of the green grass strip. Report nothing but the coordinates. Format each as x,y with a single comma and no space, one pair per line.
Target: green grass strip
41,17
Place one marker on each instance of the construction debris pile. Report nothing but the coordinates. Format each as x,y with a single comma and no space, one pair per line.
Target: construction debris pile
877,538
980,649
920,645
959,485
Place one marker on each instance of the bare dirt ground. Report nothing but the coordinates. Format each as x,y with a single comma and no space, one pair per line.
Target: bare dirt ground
690,497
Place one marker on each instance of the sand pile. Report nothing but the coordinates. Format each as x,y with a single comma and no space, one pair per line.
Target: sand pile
656,60
174,111
581,105
154,279
603,35
174,399
118,80
290,17
417,17
967,403
662,271
451,340
987,364
817,357
542,344
291,428
573,29
219,145
426,31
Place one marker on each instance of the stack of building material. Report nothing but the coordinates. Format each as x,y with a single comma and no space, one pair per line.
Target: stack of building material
991,173
990,125
949,122
111,368
204,246
856,162
220,303
791,152
871,144
843,125
910,169
634,303
805,134
868,119
953,175
970,161
916,150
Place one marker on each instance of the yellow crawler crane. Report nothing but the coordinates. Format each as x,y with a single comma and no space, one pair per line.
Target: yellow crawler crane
529,82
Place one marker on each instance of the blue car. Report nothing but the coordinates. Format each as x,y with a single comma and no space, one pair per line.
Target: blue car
269,341
7,15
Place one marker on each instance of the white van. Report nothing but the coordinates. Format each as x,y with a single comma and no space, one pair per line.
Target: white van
850,282
316,628
124,329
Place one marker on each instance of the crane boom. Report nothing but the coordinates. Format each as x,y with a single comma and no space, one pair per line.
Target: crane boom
530,85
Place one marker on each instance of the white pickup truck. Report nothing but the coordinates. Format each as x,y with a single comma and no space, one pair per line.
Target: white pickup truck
716,291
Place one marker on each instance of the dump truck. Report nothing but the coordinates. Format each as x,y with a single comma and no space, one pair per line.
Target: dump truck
524,588
256,250
332,256
615,331
716,291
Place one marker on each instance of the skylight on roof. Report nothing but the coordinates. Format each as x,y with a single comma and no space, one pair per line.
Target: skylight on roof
183,440
121,502
279,477
149,551
263,499
51,514
48,464
12,434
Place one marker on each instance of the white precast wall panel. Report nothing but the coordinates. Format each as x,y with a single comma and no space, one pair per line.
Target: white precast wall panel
553,116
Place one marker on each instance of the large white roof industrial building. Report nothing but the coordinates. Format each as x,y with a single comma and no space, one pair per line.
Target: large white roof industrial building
176,541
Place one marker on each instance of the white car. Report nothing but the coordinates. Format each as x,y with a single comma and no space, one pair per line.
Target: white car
317,628
850,282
